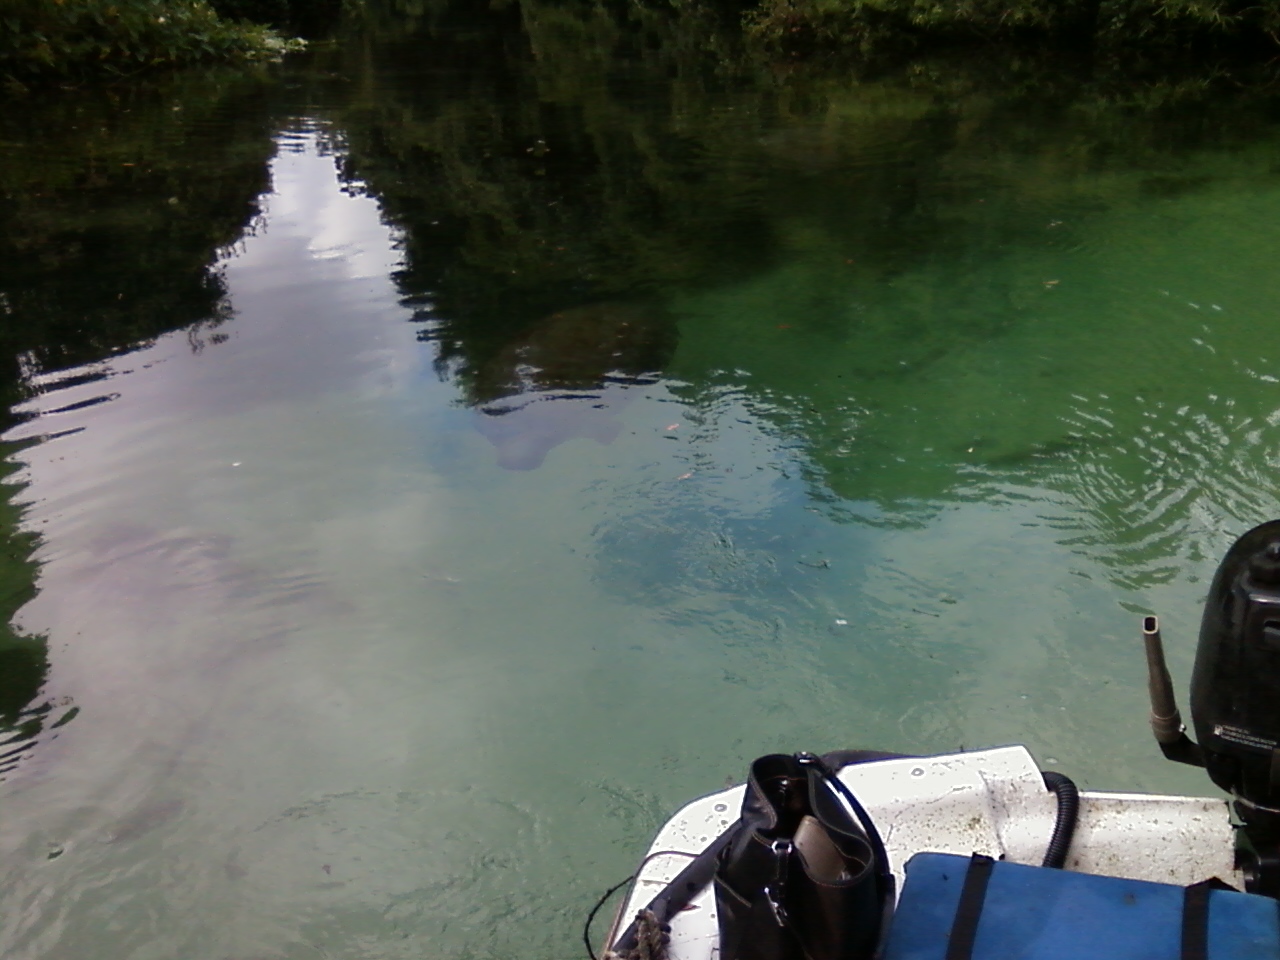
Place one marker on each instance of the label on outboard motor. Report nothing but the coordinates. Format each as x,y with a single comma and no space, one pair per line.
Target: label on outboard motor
1243,737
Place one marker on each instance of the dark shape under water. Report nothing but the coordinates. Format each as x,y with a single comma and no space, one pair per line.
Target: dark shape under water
582,348
567,376
524,433
144,819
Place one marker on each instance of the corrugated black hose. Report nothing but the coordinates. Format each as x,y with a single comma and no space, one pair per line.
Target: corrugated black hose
1064,828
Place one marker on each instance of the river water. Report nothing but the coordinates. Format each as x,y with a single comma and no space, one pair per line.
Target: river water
442,455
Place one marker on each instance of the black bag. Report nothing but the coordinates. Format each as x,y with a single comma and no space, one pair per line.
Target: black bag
821,920
802,879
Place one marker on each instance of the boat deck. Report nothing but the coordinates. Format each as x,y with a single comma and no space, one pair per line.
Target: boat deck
992,802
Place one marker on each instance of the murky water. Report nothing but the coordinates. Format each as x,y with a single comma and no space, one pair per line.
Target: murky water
448,458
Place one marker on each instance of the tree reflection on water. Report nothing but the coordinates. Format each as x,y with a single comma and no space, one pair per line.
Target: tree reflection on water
114,207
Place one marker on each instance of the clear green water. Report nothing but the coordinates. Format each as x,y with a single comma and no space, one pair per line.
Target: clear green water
841,414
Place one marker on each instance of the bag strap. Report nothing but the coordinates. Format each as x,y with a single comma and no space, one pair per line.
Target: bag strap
964,929
884,875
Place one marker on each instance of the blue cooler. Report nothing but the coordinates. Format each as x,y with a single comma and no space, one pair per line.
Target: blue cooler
961,908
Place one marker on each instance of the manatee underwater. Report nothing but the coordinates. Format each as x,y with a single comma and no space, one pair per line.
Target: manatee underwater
566,376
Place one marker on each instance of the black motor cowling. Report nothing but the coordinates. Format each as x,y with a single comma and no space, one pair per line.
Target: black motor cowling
1235,697
1235,689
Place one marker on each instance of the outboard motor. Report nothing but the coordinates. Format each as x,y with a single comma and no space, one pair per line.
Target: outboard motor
1235,697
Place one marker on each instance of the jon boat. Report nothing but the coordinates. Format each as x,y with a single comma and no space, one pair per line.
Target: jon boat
1139,876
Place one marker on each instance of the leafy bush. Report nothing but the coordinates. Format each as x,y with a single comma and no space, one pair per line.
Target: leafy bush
877,25
72,37
1181,21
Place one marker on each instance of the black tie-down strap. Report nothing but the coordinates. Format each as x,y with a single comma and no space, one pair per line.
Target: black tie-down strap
1195,918
1195,922
964,929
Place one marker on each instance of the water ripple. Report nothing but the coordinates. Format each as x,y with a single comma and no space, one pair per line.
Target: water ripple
1152,492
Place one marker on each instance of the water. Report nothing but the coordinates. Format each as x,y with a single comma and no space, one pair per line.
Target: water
445,459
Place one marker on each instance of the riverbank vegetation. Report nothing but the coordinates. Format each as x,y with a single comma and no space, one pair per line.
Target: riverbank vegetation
72,39
894,26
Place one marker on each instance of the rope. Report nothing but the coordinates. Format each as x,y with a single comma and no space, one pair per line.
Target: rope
586,929
643,932
652,939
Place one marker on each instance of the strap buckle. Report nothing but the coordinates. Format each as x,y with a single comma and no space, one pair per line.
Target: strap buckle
775,893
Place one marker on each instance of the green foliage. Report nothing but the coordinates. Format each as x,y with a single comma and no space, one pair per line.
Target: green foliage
61,38
1175,22
875,26
906,22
